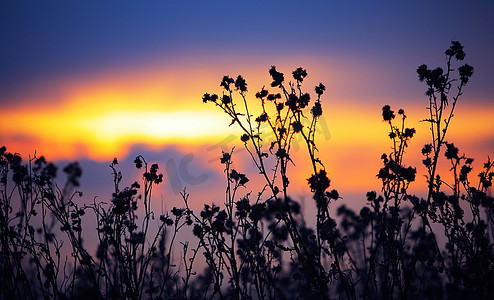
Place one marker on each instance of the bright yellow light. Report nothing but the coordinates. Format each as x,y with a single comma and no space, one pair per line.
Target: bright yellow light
105,119
109,132
102,117
158,126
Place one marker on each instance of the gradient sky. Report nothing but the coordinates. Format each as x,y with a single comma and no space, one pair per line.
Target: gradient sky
90,80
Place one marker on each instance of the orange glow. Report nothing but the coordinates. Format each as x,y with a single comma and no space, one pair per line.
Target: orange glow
104,119
358,138
106,132
105,116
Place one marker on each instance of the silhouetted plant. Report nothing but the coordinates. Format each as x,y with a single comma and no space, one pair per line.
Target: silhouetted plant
38,219
446,202
257,244
402,258
286,114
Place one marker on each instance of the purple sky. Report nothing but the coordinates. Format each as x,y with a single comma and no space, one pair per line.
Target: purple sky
44,41
364,50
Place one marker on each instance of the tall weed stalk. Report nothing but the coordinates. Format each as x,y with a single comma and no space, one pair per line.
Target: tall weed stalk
256,243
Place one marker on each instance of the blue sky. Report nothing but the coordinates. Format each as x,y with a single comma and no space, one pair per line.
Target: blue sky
364,51
48,40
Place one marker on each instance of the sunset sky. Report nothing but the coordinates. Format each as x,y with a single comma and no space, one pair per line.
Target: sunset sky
93,80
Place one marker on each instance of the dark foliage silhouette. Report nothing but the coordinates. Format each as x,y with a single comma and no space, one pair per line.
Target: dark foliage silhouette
257,244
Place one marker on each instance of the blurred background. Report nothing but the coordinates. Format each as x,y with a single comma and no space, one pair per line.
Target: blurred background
90,81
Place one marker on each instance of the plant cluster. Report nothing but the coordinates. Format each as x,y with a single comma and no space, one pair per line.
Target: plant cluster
257,244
